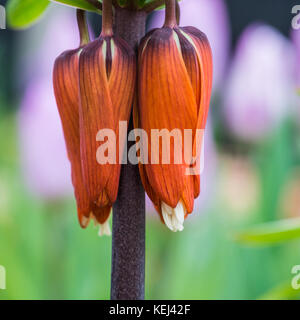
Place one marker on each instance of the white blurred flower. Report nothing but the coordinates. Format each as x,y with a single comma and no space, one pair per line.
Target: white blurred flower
239,187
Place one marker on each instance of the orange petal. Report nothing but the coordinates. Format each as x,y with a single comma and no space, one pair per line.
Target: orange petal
151,194
188,194
95,113
190,58
122,82
102,214
65,81
205,61
165,90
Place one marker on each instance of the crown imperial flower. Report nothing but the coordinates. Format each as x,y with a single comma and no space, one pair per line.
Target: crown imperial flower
107,82
94,88
175,81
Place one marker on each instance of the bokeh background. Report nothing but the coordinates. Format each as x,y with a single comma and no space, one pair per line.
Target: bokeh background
251,175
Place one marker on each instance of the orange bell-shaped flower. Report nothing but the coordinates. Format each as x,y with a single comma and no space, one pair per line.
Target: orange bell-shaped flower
94,88
107,76
175,80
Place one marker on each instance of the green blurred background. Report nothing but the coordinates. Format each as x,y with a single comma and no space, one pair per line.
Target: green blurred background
249,179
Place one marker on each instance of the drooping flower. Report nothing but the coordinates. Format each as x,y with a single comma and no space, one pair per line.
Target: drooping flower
175,80
94,87
107,76
259,90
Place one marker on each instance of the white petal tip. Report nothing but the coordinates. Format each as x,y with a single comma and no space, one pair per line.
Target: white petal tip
173,217
104,229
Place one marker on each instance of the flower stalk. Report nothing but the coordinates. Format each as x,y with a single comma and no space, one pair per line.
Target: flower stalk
83,28
170,20
107,18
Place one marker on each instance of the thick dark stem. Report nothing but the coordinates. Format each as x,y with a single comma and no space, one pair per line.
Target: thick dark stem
130,25
128,236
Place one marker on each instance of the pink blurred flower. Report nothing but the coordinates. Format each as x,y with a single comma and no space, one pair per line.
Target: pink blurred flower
210,16
46,40
296,42
259,89
43,154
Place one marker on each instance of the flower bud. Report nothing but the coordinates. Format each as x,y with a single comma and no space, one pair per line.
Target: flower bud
107,75
175,80
94,87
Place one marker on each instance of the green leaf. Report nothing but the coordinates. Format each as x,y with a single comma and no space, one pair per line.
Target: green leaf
23,13
81,4
271,233
283,291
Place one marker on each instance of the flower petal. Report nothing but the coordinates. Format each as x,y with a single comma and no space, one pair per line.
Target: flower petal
65,81
205,61
122,82
96,112
165,90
